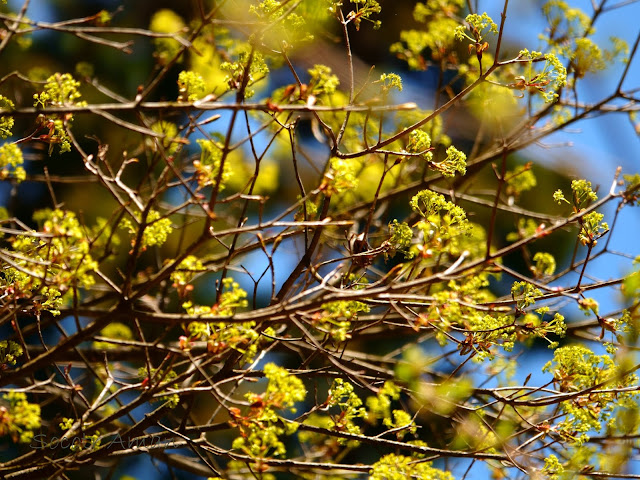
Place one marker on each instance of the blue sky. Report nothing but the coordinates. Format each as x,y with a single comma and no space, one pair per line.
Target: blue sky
591,149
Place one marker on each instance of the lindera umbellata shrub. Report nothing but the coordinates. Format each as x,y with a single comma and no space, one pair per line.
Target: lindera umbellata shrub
231,248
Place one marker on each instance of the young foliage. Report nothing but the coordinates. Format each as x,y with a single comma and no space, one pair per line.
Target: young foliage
332,270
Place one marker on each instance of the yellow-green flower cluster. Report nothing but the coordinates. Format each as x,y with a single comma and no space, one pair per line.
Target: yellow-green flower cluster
60,90
400,239
208,167
185,273
341,395
553,469
525,294
169,22
20,419
591,225
156,229
544,264
442,226
534,326
283,391
169,140
576,368
9,352
221,336
569,35
401,422
322,81
481,25
389,81
420,142
589,305
231,298
61,258
116,331
565,21
520,180
631,187
428,204
553,72
191,86
287,27
583,194
335,318
558,197
587,57
6,122
11,161
437,22
261,429
249,68
592,228
488,330
363,11
379,407
341,176
455,162
400,467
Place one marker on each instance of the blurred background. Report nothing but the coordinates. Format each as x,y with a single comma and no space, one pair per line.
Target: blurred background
591,149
